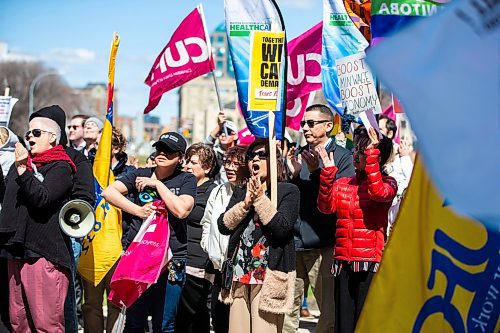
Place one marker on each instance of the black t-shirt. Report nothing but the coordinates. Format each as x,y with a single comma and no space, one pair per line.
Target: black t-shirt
180,183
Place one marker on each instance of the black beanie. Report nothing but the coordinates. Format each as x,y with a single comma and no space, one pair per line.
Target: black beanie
58,115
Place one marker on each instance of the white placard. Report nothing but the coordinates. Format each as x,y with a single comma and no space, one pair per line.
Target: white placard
6,105
368,119
357,90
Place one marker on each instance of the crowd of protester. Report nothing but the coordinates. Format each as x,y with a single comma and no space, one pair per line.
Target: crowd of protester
239,263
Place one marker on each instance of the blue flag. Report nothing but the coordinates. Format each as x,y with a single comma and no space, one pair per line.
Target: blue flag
243,17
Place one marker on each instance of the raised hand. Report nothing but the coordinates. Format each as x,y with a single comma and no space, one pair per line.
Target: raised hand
294,162
404,148
221,118
323,154
257,189
21,155
312,159
373,135
248,202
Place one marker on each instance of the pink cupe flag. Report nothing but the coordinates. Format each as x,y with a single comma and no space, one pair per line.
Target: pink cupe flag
304,74
186,56
143,261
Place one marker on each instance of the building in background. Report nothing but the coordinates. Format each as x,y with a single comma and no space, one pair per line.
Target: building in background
94,98
198,104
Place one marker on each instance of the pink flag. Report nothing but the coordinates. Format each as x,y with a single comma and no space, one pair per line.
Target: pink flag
245,137
304,73
295,110
304,63
186,56
143,261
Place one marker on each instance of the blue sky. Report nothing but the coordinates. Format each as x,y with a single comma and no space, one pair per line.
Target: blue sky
74,37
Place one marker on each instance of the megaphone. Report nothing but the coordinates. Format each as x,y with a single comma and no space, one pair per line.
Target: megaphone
76,218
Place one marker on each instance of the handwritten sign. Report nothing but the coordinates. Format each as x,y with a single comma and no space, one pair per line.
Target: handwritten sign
357,89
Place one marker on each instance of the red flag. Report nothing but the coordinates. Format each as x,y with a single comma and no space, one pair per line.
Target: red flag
186,56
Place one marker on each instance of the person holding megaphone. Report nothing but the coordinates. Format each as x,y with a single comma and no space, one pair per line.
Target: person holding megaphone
38,252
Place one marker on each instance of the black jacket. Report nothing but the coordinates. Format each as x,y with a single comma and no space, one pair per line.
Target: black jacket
130,223
313,229
83,179
278,232
196,256
29,220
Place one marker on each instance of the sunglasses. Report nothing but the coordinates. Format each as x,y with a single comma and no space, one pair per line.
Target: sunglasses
312,123
36,133
74,127
168,153
260,154
229,132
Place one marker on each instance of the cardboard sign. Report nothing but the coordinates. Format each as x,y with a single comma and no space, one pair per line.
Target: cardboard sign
266,51
357,89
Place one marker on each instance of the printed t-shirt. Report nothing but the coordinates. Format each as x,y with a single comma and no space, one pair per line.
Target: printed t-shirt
180,183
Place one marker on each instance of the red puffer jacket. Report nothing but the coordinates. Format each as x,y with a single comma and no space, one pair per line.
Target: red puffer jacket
362,203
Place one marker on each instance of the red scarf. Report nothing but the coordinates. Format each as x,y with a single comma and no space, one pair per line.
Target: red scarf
52,155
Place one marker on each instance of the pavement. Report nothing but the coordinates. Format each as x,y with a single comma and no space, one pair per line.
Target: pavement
307,325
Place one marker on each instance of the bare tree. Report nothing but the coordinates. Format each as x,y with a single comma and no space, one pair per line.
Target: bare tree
48,91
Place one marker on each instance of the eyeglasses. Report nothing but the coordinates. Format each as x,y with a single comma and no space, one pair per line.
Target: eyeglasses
312,123
36,133
74,127
260,154
232,164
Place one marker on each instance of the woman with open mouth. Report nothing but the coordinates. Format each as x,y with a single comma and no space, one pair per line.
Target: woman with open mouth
259,275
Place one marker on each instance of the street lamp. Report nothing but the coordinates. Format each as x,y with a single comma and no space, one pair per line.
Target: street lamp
32,87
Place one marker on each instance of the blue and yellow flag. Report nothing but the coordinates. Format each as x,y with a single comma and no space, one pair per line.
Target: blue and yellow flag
439,273
102,246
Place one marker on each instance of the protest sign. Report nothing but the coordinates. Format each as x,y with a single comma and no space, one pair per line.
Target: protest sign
242,18
266,49
368,119
340,39
6,105
357,90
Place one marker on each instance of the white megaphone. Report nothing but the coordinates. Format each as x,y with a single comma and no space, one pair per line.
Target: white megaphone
77,218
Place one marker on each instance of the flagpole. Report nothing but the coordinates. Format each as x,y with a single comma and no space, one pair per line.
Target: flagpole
209,49
272,159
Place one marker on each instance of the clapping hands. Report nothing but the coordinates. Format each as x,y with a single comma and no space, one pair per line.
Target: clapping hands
325,157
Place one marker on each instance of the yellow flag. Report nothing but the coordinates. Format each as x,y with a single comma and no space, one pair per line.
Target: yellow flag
102,247
440,272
